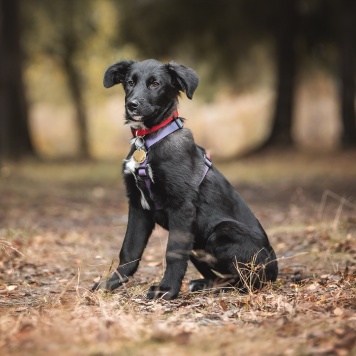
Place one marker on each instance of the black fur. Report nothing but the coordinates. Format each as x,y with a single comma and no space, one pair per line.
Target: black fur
208,223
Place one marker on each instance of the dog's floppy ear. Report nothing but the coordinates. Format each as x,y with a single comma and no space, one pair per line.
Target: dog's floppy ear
116,73
184,78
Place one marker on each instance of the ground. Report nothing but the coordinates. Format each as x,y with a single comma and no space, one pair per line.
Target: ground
62,225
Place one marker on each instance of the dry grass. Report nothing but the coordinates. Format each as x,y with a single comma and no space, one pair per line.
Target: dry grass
61,227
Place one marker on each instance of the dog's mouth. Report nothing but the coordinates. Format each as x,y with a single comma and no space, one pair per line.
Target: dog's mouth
136,122
136,118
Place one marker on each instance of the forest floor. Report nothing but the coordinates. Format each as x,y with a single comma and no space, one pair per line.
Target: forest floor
62,225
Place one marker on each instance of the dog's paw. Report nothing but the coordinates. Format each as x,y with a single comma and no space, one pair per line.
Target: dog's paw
97,286
199,284
159,292
110,284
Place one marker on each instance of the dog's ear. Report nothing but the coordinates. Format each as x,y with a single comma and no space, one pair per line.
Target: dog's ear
184,78
116,73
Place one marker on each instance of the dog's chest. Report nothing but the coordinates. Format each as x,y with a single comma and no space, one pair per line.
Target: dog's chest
130,165
130,168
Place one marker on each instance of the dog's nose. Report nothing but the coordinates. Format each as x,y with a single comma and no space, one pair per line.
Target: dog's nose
132,105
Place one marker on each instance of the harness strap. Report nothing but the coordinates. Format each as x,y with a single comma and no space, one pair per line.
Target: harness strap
143,170
175,125
208,165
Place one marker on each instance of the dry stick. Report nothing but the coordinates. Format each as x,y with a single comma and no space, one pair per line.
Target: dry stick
6,244
65,289
242,277
328,193
338,213
116,272
77,286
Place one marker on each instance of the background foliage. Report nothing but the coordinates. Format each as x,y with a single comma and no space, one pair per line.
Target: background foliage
277,73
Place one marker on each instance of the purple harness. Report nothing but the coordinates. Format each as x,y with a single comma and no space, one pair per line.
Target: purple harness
143,170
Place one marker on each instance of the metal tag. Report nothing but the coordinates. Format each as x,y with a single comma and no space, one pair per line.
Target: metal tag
139,156
139,143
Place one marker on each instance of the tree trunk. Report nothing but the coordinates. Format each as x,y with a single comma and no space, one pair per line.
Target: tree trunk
75,89
347,16
70,46
286,27
15,139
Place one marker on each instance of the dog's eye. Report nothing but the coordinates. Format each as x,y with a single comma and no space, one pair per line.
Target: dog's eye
154,84
130,83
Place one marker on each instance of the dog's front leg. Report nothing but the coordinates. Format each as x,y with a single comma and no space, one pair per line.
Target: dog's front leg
179,247
139,228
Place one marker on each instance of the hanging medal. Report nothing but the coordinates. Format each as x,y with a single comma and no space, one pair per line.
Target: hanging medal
139,154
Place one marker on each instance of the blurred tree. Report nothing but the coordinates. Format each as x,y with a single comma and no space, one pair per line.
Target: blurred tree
15,139
285,28
222,34
68,26
217,32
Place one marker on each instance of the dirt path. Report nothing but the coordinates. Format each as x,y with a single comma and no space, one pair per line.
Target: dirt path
62,225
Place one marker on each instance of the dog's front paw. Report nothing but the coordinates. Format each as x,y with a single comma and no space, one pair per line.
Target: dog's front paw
109,284
159,292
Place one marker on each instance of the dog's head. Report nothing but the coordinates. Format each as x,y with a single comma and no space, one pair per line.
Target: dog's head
152,89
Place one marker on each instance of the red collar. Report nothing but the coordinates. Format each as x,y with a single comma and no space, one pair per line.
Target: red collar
143,132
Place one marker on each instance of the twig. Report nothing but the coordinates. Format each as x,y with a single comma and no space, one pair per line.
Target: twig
65,288
328,193
338,213
6,244
77,286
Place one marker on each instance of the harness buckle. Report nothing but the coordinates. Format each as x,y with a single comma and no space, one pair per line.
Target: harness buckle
208,161
179,122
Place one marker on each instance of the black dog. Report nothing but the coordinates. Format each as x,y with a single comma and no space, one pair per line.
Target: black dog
170,181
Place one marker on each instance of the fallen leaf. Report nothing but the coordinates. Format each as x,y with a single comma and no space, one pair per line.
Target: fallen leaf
223,305
338,311
313,286
321,301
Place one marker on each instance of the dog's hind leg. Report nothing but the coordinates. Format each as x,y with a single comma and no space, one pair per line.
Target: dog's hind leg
213,280
203,262
238,257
